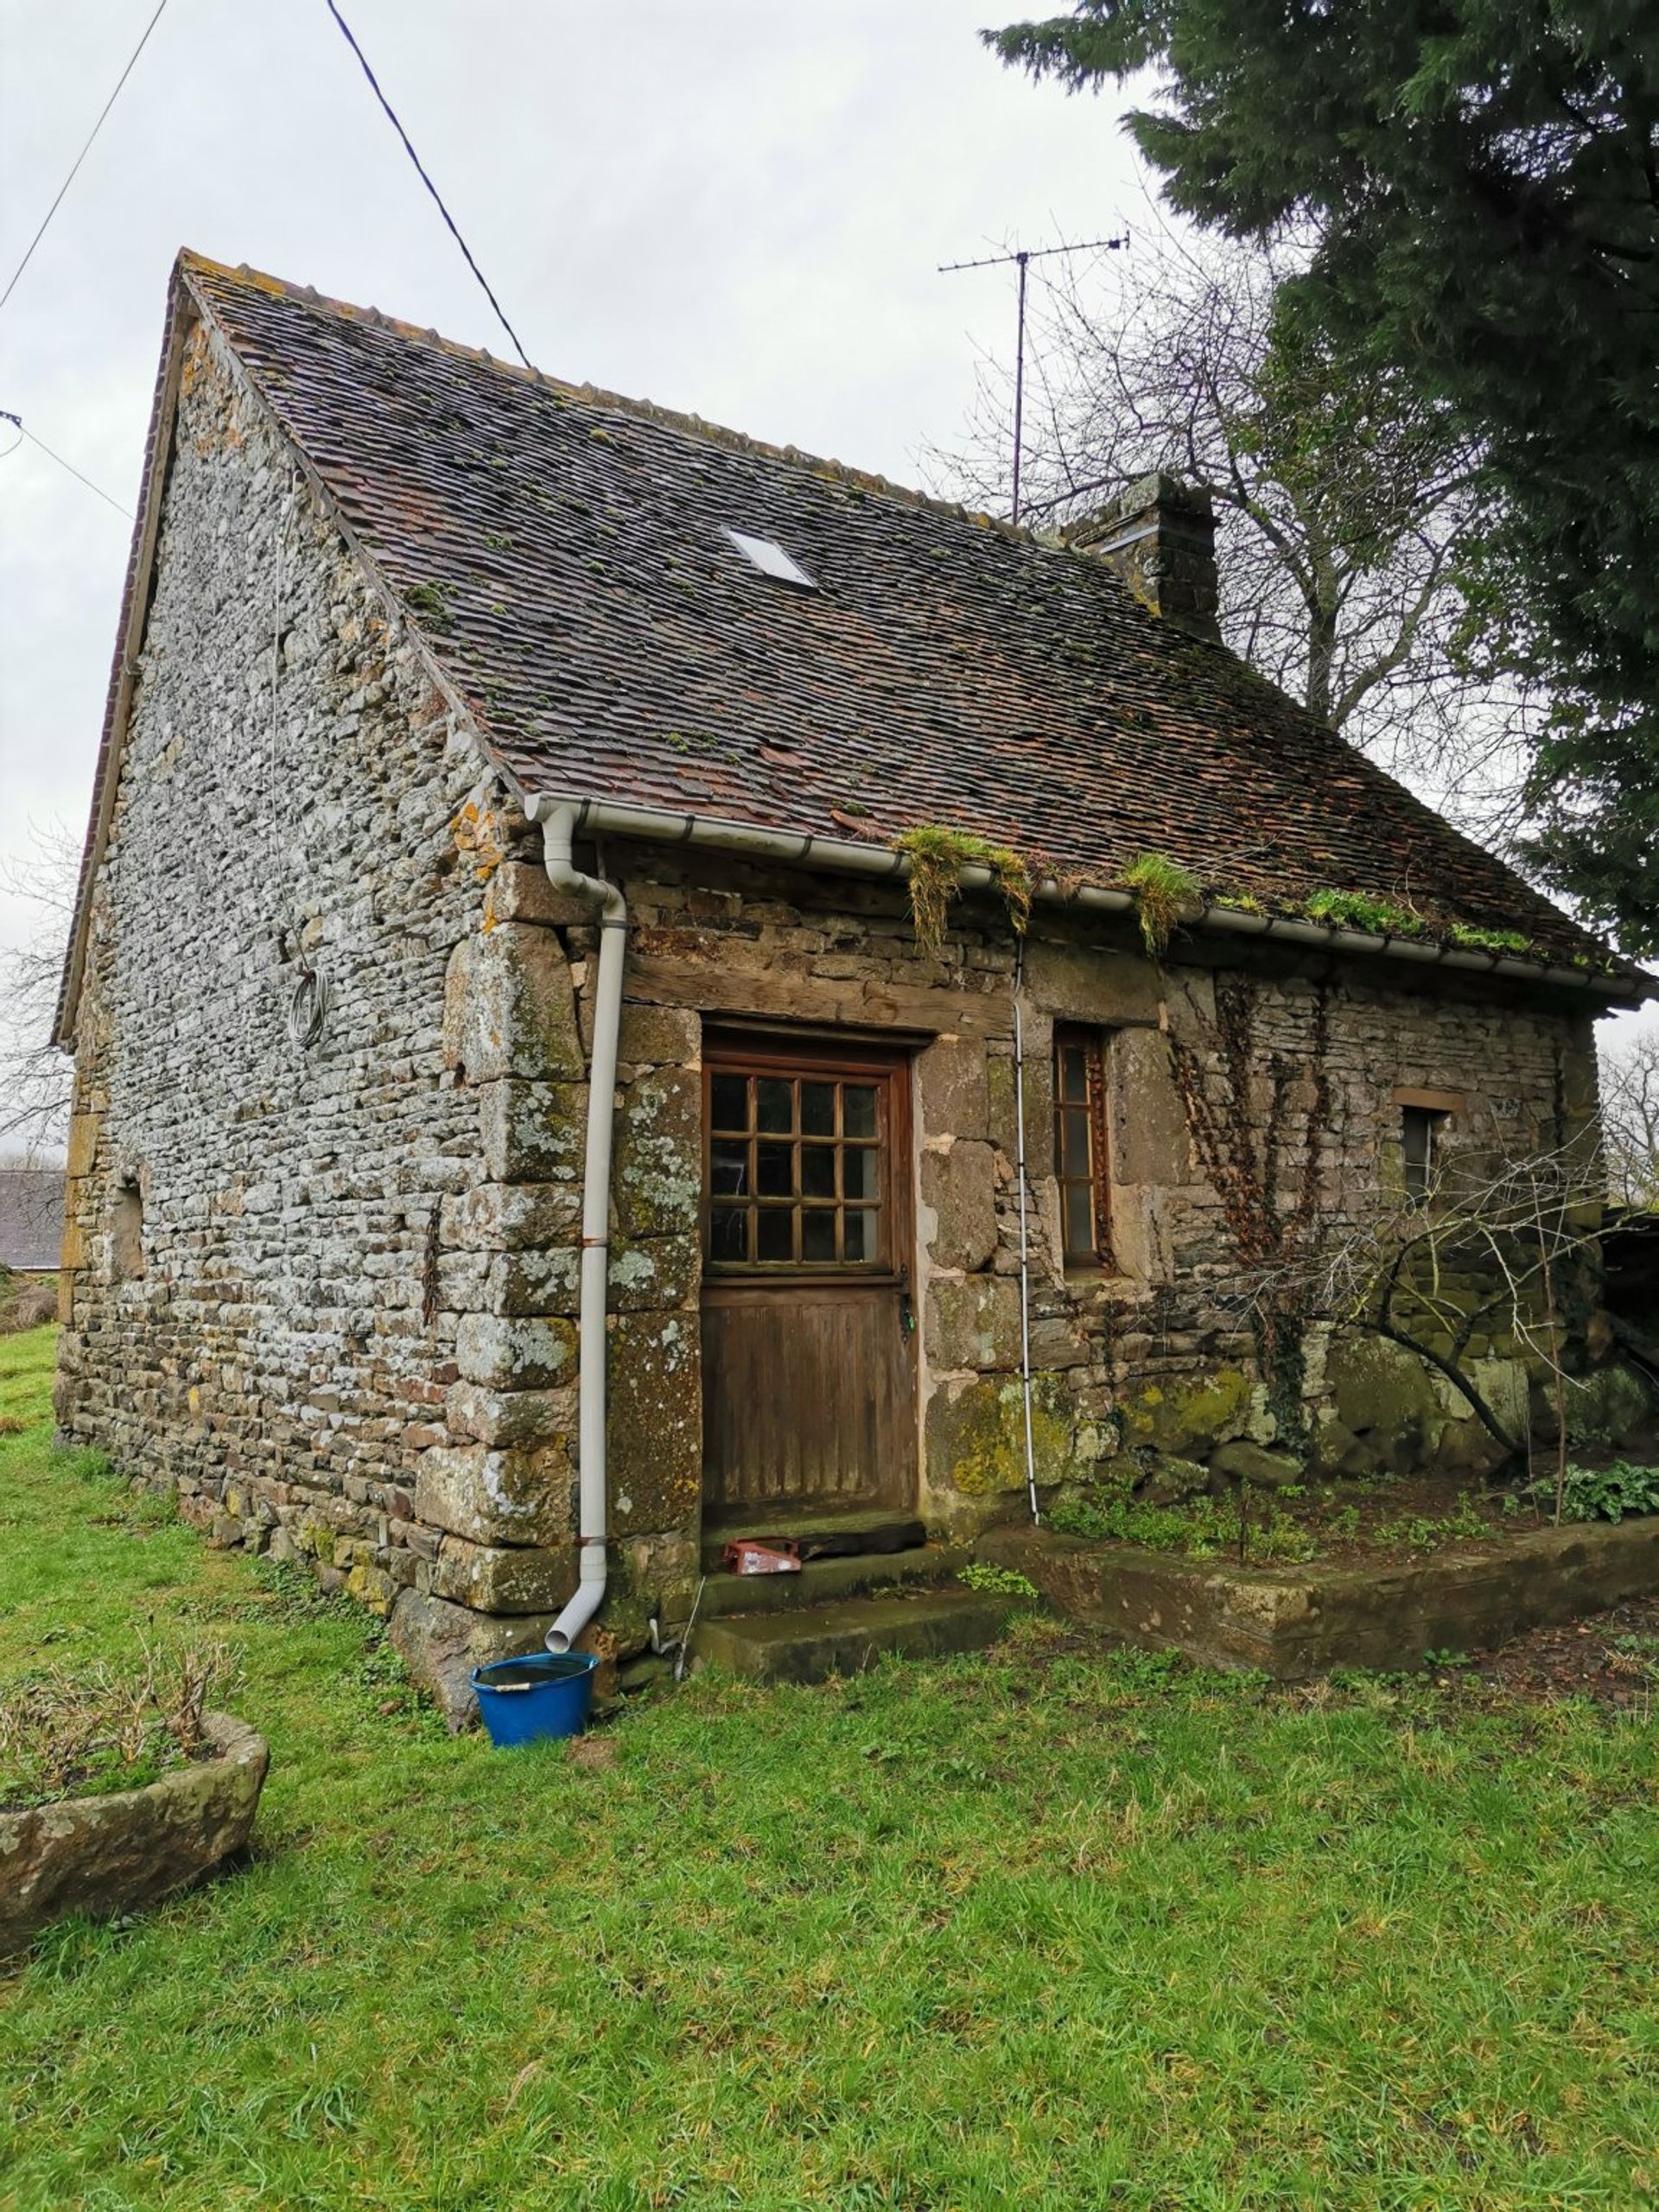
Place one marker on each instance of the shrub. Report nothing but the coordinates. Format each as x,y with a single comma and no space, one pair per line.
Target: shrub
1605,1493
1479,940
1165,894
1199,1528
997,1581
937,857
1357,910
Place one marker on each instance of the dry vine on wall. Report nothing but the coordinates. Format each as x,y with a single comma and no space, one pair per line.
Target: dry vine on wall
1265,1172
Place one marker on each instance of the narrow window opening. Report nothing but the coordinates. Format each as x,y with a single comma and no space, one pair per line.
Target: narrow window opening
127,1233
1421,1129
1081,1152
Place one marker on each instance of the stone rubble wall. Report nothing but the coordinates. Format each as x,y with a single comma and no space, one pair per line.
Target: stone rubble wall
1151,1353
342,1331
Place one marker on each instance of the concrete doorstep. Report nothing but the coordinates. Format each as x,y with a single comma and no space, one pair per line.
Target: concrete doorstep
809,1644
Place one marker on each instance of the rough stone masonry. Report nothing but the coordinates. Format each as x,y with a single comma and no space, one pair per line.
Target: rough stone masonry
321,1255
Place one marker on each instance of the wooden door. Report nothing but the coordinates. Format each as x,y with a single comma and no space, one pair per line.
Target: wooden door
808,1370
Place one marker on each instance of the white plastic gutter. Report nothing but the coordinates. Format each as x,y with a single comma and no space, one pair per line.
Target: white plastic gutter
593,1498
653,825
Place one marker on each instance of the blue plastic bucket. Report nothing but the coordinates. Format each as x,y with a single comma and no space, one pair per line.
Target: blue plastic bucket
521,1700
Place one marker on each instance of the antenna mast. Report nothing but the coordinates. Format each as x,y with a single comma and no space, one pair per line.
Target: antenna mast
1021,261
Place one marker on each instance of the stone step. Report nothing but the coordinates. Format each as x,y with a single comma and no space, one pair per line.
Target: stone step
822,1581
877,1530
818,1641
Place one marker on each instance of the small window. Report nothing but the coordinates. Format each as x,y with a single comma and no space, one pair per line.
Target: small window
127,1233
1080,1150
770,558
1420,1132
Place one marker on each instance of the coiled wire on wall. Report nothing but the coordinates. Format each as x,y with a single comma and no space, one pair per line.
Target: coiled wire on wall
308,1006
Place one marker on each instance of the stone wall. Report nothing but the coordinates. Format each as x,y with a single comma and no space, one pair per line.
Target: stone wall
1151,1353
319,1287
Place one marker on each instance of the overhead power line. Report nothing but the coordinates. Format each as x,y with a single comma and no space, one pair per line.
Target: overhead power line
420,170
18,423
81,157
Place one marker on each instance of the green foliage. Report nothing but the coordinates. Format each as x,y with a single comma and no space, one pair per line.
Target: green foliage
1165,894
1477,184
997,1581
429,603
1359,910
1604,1493
1475,939
1197,1527
1423,1532
814,1947
937,857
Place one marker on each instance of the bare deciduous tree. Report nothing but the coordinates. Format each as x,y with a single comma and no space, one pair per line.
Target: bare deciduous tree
1630,1105
1492,1246
1344,502
36,1077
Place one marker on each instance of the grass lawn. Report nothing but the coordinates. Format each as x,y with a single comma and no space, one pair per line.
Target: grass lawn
1055,1928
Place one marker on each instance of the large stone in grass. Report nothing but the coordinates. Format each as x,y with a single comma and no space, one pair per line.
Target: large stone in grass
441,1644
1609,1407
110,1855
1170,1478
1244,1462
1386,1397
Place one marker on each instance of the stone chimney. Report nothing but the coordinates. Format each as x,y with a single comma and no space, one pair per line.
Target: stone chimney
1160,535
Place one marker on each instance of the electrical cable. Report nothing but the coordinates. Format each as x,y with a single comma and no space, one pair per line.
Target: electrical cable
81,156
18,424
391,118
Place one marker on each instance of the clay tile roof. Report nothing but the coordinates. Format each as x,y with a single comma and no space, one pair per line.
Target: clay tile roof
562,552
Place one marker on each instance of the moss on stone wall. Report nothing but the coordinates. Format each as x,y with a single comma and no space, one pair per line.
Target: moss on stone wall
1188,1416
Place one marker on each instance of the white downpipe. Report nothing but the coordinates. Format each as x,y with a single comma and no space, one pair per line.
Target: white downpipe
558,829
1025,1241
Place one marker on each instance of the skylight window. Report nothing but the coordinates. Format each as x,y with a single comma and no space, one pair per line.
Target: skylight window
772,560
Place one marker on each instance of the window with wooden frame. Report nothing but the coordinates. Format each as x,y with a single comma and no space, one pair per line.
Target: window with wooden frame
799,1165
1082,1161
1425,1117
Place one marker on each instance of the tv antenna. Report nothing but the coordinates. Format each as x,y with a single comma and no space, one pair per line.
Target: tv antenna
1021,261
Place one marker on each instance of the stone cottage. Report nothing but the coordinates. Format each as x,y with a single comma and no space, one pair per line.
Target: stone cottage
564,1069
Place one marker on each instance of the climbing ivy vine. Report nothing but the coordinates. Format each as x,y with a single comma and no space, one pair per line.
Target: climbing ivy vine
1265,1171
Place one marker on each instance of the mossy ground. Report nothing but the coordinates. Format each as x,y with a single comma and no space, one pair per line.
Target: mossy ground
1054,1929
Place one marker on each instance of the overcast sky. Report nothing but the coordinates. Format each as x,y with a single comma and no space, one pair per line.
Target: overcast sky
735,207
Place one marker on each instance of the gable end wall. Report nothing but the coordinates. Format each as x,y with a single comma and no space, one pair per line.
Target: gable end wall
313,1265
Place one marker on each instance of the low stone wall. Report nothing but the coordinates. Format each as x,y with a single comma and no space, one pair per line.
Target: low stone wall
1295,1622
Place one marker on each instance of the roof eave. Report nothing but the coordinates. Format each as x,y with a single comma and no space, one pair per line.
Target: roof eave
183,312
660,826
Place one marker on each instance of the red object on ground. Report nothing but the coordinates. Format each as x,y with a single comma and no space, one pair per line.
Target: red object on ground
748,1556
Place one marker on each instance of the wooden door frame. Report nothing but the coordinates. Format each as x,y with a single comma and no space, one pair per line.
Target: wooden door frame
888,1060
